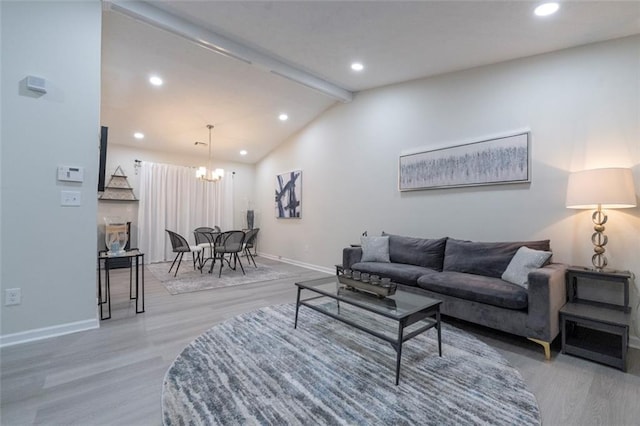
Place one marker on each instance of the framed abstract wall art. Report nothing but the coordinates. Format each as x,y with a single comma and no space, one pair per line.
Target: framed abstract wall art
500,160
289,195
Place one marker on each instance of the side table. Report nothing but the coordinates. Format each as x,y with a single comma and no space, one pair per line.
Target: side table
104,298
595,330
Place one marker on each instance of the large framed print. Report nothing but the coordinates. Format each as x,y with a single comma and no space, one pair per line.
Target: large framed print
501,160
289,195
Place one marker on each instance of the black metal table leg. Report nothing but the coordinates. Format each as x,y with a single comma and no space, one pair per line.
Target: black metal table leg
142,283
99,283
139,284
100,301
131,281
107,288
295,324
439,325
399,350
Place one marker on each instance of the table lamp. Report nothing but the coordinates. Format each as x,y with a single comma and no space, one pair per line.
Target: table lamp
598,189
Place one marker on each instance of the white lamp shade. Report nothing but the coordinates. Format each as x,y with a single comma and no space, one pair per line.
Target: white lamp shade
611,188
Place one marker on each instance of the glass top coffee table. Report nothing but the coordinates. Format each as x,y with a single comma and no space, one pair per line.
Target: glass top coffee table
413,313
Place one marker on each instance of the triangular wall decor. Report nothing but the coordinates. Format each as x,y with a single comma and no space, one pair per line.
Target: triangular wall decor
118,188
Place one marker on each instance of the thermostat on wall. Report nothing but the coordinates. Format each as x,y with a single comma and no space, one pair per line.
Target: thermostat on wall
71,174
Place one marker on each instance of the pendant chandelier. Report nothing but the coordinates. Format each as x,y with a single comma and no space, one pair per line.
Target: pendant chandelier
209,174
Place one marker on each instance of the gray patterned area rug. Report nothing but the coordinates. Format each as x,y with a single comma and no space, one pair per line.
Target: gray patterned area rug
257,369
189,280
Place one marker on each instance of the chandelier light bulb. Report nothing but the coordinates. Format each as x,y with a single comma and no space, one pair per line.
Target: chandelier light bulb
546,9
155,80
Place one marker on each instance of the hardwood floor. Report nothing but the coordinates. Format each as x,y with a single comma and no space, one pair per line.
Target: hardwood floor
113,375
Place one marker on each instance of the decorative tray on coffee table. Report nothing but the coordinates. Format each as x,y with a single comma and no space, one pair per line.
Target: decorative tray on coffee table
380,290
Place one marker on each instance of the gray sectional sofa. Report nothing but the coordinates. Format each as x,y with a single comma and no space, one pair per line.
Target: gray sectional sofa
467,277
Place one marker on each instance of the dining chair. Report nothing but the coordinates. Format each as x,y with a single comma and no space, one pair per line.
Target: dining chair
249,243
180,245
231,243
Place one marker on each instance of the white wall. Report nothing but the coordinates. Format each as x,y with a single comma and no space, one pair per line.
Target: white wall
124,156
582,106
47,250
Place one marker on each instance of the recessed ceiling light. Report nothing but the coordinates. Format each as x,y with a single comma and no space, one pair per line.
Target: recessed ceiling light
155,80
357,66
243,152
546,9
138,135
283,117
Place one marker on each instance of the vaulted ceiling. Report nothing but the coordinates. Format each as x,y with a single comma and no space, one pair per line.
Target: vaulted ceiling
395,40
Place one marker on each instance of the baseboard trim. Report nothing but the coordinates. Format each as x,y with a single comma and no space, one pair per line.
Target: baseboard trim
48,332
298,263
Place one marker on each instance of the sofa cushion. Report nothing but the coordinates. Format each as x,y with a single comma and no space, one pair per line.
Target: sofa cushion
477,288
417,251
398,272
480,258
524,261
375,249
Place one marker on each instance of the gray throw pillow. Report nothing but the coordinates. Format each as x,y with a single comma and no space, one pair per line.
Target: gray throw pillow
524,261
375,249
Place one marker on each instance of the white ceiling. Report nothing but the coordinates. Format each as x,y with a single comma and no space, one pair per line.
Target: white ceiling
396,40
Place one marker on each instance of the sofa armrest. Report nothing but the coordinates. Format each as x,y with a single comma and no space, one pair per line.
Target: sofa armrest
351,255
547,294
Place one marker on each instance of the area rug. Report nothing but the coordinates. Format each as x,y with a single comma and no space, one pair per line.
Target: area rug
257,369
189,280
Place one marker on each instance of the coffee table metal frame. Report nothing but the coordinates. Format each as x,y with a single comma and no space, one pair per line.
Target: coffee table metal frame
421,308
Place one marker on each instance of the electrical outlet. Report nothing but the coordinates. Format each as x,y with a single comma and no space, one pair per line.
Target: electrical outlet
12,296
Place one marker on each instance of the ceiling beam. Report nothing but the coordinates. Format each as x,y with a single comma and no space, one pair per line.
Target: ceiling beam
217,43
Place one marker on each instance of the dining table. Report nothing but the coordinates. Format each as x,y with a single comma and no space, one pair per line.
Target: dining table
212,238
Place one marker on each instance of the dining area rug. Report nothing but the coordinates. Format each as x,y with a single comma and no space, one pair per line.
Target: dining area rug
189,280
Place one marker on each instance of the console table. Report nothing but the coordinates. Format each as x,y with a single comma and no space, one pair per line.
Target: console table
104,297
592,329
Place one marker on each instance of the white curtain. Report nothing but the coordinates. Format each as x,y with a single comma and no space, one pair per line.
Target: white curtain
172,198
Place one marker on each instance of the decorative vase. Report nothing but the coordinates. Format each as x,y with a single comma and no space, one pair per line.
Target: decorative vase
115,235
250,217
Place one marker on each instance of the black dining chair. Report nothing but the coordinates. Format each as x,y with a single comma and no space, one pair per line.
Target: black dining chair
180,245
229,243
249,243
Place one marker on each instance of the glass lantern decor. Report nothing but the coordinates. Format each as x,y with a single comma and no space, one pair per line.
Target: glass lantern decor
115,235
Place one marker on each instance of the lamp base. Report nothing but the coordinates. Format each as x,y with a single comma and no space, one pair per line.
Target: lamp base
599,240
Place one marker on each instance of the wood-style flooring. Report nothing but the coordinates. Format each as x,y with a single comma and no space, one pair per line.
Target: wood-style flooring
113,375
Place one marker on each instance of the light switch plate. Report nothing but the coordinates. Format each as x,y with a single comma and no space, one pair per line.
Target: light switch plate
70,198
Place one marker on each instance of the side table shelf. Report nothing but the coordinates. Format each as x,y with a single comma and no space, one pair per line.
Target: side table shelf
594,330
596,333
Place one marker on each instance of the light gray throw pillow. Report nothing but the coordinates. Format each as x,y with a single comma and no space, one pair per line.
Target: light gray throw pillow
375,249
524,261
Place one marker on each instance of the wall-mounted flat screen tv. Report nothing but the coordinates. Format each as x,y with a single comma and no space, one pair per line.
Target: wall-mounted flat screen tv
104,131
